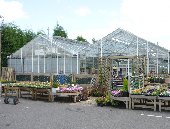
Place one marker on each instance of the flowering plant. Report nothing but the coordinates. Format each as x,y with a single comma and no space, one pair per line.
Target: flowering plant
100,101
137,91
31,84
165,93
116,93
71,89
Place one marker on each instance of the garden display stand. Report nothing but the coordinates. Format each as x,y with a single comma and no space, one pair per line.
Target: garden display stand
72,95
106,66
42,93
142,101
38,91
164,103
126,100
26,92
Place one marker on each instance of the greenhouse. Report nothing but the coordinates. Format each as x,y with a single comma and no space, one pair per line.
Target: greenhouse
59,55
120,66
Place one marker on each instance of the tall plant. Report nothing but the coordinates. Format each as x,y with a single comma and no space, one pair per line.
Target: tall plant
125,84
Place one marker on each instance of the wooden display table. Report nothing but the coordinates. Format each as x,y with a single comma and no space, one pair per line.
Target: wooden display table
166,103
35,93
126,100
26,92
42,93
73,95
142,101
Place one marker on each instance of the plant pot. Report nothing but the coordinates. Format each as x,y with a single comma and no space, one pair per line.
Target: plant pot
100,104
108,104
54,90
125,94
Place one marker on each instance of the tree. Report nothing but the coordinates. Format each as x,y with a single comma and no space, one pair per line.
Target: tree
28,35
80,38
41,32
59,31
13,38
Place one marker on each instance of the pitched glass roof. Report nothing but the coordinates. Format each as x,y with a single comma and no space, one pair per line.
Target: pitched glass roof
119,42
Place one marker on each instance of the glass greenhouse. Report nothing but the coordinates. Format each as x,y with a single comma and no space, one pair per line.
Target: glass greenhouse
59,55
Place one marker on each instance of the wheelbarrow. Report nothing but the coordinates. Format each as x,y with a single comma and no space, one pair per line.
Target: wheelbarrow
11,95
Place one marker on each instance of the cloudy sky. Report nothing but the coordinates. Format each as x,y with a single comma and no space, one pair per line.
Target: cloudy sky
149,19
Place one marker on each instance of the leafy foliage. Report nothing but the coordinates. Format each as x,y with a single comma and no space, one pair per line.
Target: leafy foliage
125,84
100,101
102,79
85,93
80,38
13,38
56,84
41,32
59,31
106,100
98,91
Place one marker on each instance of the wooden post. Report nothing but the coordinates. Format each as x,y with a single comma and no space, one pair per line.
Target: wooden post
32,77
160,105
51,80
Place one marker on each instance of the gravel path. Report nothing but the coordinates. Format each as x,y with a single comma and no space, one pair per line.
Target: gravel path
29,114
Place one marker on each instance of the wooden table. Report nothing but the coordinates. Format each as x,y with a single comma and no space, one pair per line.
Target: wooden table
74,95
29,91
42,93
165,101
126,100
143,99
35,92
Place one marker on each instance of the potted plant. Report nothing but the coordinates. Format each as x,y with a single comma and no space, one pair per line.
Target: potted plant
55,87
124,90
107,100
88,69
73,83
100,101
104,101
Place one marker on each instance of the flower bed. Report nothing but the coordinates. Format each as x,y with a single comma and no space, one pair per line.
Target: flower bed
70,89
152,92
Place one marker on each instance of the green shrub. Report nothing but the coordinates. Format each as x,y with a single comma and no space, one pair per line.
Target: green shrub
100,100
98,91
56,85
104,100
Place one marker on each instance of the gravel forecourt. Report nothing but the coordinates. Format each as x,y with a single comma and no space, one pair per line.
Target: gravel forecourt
30,114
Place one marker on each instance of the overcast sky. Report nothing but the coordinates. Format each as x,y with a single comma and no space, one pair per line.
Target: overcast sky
148,19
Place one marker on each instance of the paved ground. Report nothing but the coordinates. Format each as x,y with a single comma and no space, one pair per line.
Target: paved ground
29,114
